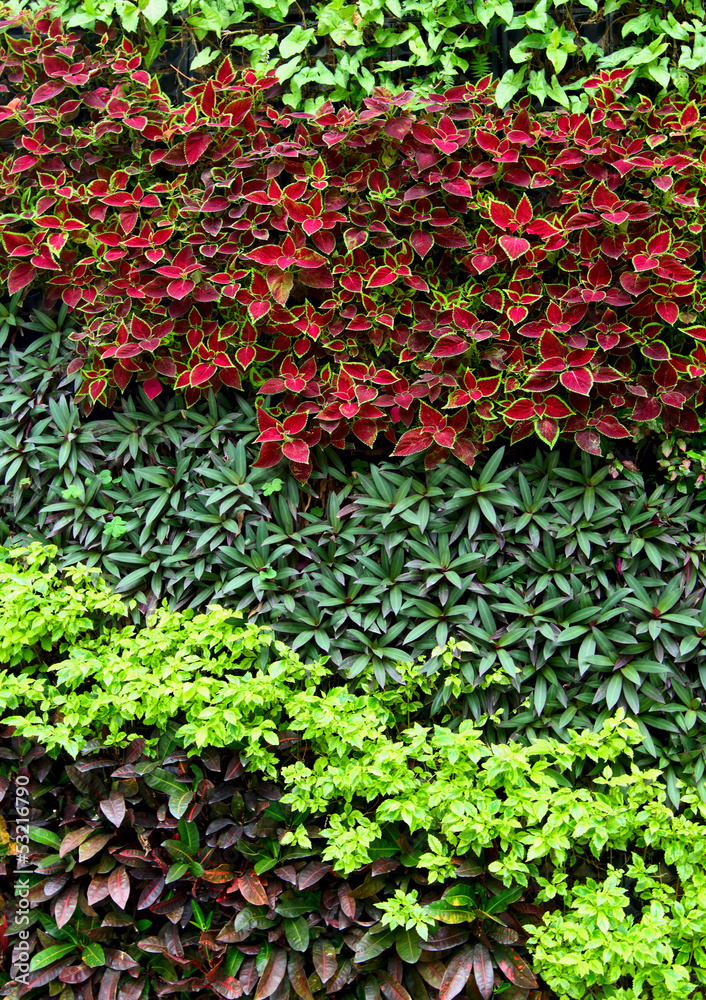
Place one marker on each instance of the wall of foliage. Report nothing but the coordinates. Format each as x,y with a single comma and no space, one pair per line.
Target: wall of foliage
364,661
572,592
568,592
428,274
341,51
161,861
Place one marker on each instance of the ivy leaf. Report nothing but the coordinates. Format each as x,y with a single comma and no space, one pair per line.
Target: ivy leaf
296,41
204,58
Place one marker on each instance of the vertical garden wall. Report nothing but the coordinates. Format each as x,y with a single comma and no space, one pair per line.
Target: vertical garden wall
352,582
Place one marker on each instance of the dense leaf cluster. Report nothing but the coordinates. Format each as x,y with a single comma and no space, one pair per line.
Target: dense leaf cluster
462,720
548,573
138,892
160,870
433,273
341,51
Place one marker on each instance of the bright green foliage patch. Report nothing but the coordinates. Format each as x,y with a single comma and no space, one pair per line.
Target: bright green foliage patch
366,775
455,797
219,681
177,666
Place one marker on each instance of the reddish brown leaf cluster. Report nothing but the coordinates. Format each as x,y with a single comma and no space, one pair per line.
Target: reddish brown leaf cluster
159,897
438,272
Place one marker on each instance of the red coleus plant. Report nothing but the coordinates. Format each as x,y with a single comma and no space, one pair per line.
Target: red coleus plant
372,270
289,439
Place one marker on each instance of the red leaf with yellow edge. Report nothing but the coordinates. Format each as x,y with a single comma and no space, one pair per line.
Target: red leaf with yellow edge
521,409
270,454
502,215
646,409
523,212
449,346
413,441
578,380
296,451
514,246
20,276
547,430
180,288
97,388
668,311
366,430
152,387
280,283
202,373
195,146
465,450
612,428
555,407
588,441
47,90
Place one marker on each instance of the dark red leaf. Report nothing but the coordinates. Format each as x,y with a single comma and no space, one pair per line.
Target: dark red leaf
391,988
324,957
109,985
47,90
457,974
446,938
113,808
119,886
311,874
514,246
75,974
578,380
252,889
195,146
150,894
21,275
272,974
65,905
514,967
483,970
297,976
